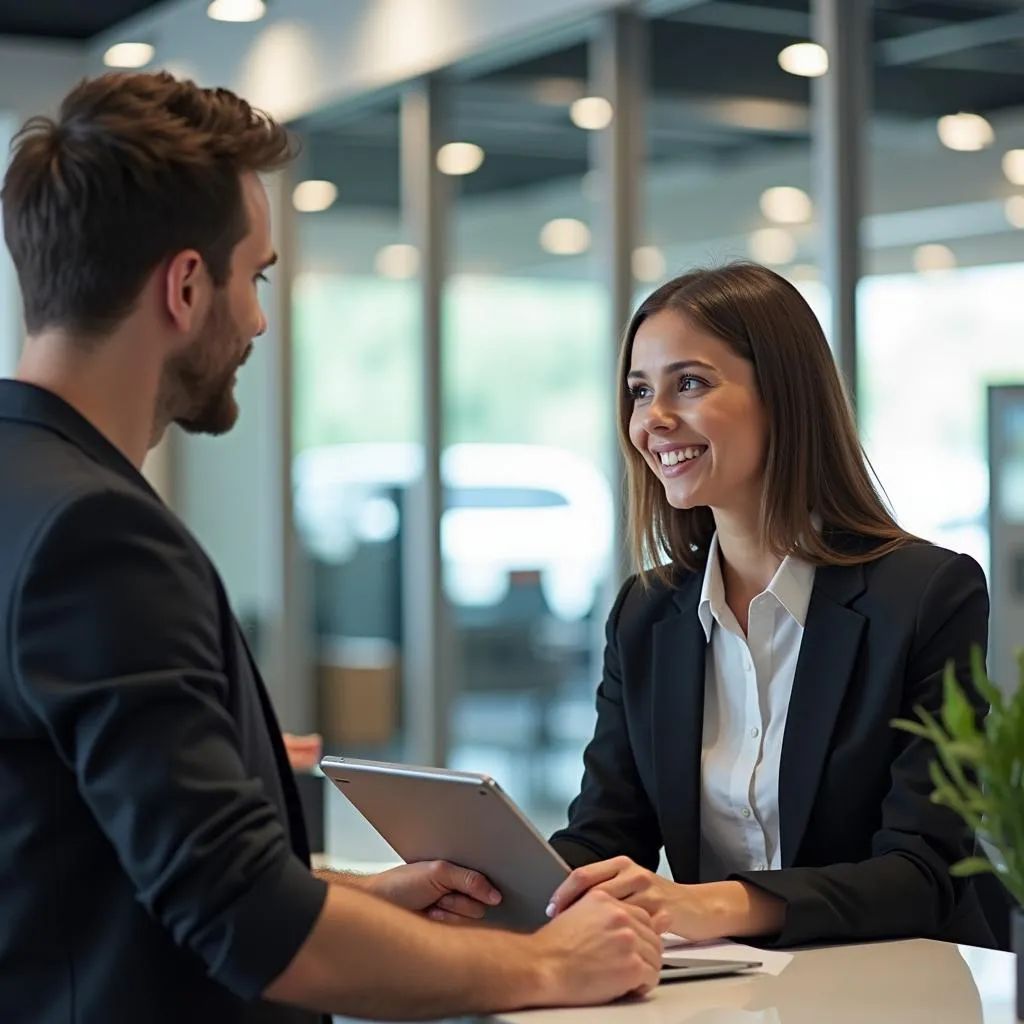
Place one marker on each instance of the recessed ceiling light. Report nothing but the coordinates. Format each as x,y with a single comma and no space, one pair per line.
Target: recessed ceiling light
648,263
314,196
592,113
128,55
399,261
966,133
458,158
808,60
1013,166
772,246
933,259
565,237
786,205
237,10
1014,209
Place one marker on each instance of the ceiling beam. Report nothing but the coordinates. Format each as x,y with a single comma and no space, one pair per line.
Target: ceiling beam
947,39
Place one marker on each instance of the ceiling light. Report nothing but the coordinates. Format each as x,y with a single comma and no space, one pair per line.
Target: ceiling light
786,205
1014,209
313,196
459,158
808,60
237,10
565,237
1013,166
592,113
966,133
648,263
398,261
932,259
772,246
128,55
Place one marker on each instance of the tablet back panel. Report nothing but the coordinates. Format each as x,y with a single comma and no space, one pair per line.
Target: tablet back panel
460,817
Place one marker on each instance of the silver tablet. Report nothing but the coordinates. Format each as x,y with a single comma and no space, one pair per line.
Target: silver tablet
461,817
690,970
466,818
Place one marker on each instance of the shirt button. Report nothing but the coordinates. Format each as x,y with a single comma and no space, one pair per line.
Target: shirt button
745,812
755,732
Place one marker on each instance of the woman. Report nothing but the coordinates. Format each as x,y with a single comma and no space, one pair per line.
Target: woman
752,670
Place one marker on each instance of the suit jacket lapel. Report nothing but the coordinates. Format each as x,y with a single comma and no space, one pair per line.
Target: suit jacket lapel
677,711
828,653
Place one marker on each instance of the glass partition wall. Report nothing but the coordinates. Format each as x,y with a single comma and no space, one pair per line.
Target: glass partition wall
468,252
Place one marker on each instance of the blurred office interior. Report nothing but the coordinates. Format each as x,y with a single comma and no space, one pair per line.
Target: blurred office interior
418,516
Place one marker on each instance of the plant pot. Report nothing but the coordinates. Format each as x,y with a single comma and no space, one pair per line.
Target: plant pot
1017,927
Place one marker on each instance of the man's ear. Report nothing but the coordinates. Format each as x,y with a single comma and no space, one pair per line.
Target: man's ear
188,289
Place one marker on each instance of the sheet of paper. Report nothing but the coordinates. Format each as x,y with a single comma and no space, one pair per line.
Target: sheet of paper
772,961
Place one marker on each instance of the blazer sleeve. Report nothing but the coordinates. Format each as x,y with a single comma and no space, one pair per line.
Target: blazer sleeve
905,888
117,656
612,816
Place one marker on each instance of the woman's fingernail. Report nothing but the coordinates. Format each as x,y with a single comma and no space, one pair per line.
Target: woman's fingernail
494,897
550,909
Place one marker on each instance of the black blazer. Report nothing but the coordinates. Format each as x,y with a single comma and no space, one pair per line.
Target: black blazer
865,853
153,860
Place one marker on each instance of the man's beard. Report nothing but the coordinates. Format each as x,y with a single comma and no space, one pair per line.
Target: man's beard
197,391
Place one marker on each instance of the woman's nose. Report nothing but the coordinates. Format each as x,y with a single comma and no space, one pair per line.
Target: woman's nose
659,417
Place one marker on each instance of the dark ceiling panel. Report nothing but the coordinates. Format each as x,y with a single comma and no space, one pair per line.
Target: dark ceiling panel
65,19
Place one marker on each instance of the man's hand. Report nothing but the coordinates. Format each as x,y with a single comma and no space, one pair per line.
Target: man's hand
303,751
441,891
597,950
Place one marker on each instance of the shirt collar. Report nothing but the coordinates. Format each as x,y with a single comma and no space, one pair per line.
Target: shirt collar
791,587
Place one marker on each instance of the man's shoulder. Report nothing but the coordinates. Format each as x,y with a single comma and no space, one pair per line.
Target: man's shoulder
60,502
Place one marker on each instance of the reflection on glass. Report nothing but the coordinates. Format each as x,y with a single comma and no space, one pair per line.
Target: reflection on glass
929,346
356,423
1011,487
527,527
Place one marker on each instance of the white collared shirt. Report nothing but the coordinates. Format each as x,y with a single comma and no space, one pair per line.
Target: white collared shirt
747,685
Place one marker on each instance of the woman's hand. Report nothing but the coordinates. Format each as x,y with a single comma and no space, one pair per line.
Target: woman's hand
695,912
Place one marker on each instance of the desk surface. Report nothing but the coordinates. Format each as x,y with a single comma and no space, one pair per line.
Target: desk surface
914,982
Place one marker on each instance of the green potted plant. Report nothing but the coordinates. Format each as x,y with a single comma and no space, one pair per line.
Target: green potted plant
979,773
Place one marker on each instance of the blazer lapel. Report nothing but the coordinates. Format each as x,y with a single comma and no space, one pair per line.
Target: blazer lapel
677,712
828,653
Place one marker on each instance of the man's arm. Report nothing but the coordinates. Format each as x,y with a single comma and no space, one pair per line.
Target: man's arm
117,654
367,958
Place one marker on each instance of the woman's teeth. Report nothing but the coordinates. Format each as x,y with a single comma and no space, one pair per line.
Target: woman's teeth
681,455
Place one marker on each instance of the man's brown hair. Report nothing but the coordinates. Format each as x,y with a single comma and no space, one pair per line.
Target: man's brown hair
814,465
136,168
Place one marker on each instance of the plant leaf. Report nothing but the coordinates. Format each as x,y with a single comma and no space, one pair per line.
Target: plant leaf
957,713
971,866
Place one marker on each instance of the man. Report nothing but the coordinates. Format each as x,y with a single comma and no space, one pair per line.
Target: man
153,863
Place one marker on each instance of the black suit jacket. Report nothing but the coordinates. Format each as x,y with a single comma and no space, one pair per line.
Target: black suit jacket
153,861
865,853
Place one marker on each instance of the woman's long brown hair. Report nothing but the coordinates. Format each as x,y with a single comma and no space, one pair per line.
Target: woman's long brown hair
814,464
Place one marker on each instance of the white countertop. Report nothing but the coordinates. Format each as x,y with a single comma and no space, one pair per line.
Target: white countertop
913,982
